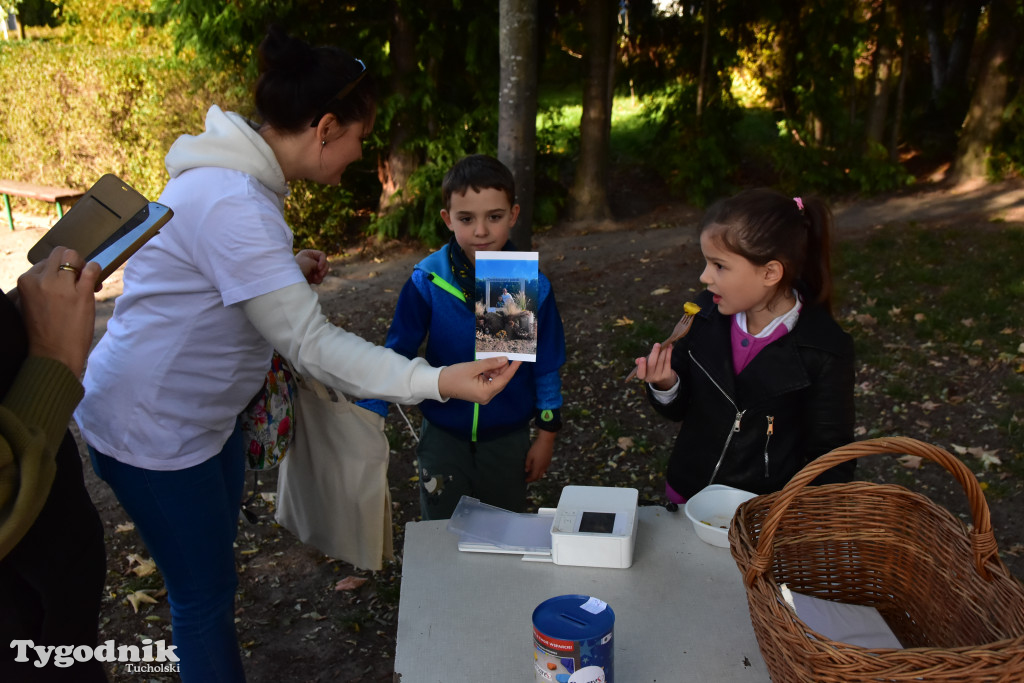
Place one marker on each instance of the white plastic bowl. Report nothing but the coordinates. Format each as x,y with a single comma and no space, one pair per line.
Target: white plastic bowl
711,511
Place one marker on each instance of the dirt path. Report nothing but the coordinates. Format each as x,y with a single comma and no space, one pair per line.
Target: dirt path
294,624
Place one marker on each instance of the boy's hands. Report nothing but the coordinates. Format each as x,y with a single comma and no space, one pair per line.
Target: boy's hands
656,368
478,381
538,458
313,264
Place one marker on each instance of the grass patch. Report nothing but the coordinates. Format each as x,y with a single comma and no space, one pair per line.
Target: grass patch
938,290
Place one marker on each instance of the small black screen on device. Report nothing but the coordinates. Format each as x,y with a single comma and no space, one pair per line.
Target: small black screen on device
597,522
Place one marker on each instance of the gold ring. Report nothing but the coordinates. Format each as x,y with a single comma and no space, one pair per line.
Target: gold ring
67,266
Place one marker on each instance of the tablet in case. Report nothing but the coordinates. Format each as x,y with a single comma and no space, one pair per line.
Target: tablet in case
107,224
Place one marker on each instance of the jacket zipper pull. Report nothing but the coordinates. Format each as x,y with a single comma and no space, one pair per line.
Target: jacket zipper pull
736,424
768,435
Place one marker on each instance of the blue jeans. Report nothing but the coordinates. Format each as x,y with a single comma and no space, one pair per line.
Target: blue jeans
188,520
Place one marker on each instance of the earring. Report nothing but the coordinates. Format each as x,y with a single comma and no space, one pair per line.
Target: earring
323,143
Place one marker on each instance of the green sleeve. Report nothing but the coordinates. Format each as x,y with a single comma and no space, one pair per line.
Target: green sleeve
34,416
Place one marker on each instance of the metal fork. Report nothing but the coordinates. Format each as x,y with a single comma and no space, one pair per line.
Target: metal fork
678,332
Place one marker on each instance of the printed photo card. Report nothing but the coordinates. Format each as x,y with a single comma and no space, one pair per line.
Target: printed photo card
507,285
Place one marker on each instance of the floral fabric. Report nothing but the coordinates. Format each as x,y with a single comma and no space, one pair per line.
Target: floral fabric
268,422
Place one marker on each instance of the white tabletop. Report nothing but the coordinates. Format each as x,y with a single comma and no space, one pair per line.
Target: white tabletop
680,610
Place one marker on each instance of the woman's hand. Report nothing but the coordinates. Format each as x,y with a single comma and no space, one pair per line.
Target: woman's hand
59,307
656,368
313,263
478,381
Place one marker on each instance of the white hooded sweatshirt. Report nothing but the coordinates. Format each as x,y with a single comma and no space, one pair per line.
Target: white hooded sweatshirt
206,301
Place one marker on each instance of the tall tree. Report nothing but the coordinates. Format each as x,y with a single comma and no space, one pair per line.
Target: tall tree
881,73
950,58
984,117
588,198
702,73
517,106
906,37
395,167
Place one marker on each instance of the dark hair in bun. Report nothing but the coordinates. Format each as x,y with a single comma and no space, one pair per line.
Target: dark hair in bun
299,83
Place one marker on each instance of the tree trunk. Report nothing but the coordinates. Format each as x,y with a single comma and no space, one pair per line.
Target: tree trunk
703,73
984,117
882,79
588,199
962,44
395,169
517,106
936,45
901,88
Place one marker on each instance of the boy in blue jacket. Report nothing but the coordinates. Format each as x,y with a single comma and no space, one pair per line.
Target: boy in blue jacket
483,451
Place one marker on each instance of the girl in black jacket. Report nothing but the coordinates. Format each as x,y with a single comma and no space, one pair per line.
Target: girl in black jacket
763,382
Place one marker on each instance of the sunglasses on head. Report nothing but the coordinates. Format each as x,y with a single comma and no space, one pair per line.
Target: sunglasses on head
341,93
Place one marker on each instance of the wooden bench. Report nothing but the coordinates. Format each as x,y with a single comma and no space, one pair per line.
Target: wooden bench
43,193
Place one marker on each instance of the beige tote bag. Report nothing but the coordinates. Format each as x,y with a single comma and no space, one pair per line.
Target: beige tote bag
332,489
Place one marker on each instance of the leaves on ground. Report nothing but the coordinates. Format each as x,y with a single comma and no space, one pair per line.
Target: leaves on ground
349,583
139,597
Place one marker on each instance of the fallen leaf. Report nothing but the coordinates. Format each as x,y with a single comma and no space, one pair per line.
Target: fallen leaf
349,583
865,319
625,442
660,290
967,322
987,458
919,317
911,462
623,321
929,405
123,528
146,566
959,450
140,596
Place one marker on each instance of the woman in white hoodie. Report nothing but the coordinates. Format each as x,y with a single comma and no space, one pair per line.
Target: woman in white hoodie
205,302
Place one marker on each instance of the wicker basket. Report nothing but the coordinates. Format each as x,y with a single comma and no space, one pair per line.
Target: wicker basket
943,591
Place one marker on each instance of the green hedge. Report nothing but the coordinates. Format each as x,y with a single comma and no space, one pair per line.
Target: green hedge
71,112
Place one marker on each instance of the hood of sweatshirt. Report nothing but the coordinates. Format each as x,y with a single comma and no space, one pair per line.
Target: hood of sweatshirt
230,141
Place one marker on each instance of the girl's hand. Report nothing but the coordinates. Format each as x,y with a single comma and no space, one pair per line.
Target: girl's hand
313,263
58,306
478,381
656,368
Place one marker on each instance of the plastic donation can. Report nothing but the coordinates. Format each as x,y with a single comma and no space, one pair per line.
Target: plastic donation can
572,640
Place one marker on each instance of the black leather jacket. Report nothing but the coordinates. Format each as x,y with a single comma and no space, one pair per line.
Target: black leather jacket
754,431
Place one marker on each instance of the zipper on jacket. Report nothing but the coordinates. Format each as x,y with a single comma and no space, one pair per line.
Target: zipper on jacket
457,293
736,422
767,440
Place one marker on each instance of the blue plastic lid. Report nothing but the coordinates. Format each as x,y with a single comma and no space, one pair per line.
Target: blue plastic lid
573,617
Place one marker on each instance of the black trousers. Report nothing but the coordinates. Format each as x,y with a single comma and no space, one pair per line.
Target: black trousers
51,583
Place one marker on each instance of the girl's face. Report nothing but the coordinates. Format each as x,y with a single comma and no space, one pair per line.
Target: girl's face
736,283
343,147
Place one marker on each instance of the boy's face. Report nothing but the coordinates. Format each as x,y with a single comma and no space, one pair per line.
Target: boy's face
481,220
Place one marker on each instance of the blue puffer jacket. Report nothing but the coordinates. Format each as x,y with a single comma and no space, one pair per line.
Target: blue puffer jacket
431,307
